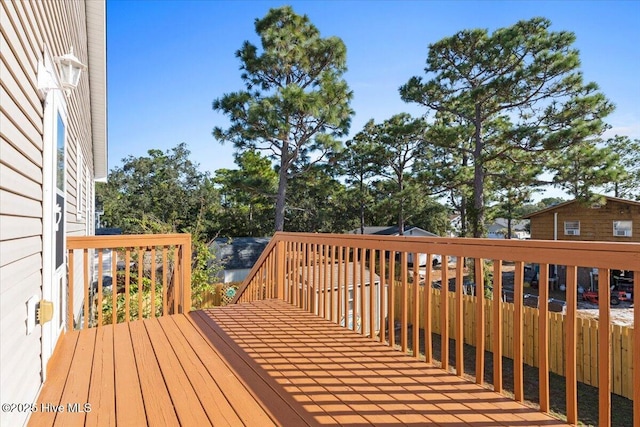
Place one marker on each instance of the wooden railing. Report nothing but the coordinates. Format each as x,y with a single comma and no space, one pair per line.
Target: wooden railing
127,277
345,279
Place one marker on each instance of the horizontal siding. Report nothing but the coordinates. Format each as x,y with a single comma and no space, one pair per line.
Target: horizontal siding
11,156
13,274
19,135
20,365
15,182
26,29
15,227
595,224
14,250
15,204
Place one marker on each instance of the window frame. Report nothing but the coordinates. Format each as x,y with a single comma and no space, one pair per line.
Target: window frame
576,230
628,231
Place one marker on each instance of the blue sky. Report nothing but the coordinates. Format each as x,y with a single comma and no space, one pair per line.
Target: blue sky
168,60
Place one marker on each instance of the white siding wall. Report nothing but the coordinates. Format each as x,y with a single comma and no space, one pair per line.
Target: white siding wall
26,28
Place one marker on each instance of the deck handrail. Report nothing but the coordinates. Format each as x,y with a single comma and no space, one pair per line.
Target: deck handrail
315,271
170,252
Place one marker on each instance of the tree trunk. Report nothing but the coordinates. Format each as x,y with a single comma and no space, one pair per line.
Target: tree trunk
281,199
401,210
478,178
361,202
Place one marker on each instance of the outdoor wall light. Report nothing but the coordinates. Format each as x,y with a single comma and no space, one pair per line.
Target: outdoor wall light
68,76
70,70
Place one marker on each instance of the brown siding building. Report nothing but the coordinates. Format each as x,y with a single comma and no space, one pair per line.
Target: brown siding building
615,220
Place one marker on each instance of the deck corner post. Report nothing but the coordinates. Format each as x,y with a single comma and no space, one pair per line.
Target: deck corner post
186,274
280,267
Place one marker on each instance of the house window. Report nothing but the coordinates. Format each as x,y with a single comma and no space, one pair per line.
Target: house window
572,228
622,228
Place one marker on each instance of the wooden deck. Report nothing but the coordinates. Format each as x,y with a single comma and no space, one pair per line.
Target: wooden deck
256,364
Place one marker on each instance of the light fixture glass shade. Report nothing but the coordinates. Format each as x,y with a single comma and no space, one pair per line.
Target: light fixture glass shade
70,70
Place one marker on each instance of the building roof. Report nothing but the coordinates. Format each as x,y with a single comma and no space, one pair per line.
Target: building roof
516,224
559,205
390,230
238,253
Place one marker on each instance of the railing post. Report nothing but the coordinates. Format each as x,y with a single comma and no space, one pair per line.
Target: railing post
280,269
186,274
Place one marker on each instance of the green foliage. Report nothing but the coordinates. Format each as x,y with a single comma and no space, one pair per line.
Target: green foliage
295,102
166,193
135,309
248,194
515,90
627,182
318,202
160,192
395,145
581,168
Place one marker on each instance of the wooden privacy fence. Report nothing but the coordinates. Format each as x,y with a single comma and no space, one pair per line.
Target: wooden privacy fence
326,274
137,276
586,343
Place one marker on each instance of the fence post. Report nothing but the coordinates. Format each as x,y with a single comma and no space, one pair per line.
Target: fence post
280,267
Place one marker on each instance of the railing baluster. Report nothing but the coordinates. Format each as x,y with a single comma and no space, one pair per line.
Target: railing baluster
372,290
165,290
114,286
99,301
85,263
363,282
496,345
604,355
140,282
543,338
309,256
153,282
70,313
428,352
341,263
354,291
127,283
332,279
518,374
403,303
392,302
383,295
348,256
416,306
297,276
444,313
459,319
570,345
479,279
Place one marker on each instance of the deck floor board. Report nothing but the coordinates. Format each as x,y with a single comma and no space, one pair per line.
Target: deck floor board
262,363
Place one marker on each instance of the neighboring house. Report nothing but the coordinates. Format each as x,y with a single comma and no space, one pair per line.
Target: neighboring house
615,220
53,147
409,230
238,255
315,277
498,229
